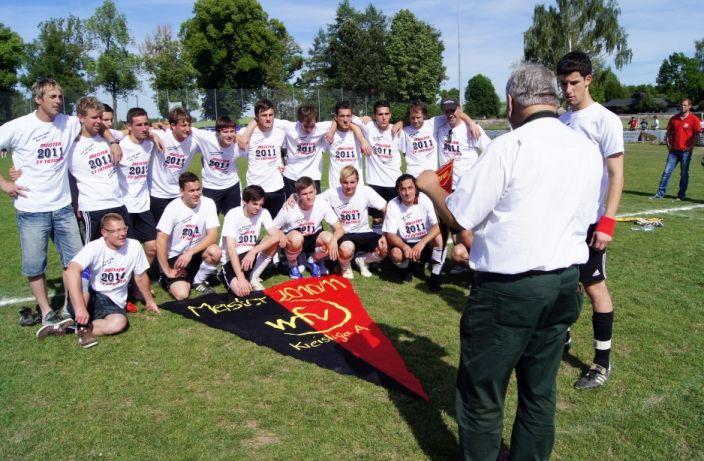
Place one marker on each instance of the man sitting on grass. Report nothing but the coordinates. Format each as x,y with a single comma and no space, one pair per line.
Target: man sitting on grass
111,261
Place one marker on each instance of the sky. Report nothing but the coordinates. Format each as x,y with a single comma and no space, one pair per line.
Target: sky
491,32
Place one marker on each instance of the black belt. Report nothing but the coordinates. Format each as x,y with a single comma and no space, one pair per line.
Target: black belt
496,277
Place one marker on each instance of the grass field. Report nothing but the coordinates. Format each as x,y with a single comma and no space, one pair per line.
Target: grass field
173,389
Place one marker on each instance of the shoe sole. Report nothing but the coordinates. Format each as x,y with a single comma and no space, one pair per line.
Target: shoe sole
54,329
89,345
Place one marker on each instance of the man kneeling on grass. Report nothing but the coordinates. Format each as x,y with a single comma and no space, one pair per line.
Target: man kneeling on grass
244,255
111,261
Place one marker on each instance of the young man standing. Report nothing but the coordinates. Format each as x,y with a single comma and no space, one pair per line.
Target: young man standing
351,203
302,225
604,129
40,142
111,260
344,148
187,232
244,255
221,181
683,131
412,231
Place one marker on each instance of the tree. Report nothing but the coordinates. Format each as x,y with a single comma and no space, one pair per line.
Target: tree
586,25
11,55
415,56
680,77
699,53
315,66
172,76
62,52
608,85
481,98
116,68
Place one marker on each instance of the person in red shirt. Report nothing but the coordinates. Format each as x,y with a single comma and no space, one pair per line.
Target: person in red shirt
682,135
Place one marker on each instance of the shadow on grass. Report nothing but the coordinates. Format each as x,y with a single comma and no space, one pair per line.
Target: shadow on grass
575,362
666,199
425,359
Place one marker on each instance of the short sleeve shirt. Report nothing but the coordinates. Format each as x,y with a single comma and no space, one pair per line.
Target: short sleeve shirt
132,174
420,147
383,166
411,223
307,222
343,151
96,176
353,212
111,270
457,144
219,163
167,166
39,150
683,130
304,151
243,229
186,226
264,159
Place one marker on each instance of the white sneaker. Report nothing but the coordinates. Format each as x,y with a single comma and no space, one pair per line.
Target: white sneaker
256,284
363,269
347,272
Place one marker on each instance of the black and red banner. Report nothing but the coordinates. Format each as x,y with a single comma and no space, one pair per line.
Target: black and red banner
319,320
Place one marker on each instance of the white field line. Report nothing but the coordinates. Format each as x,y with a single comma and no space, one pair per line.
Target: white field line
659,211
9,301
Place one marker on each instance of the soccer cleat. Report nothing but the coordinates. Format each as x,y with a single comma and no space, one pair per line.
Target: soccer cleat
363,269
256,284
54,329
347,272
315,269
86,339
434,283
595,377
29,317
656,197
203,288
294,273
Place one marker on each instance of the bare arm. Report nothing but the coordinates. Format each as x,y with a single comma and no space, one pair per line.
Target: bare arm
243,139
394,240
162,244
75,292
614,165
359,136
428,183
338,232
115,151
142,281
184,259
472,126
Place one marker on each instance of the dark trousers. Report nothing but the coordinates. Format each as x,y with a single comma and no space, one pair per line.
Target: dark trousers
513,322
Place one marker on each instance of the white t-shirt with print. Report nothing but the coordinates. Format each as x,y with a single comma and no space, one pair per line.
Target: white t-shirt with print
460,147
307,222
383,166
132,174
420,147
39,151
353,211
186,226
343,151
167,166
111,270
304,151
411,223
243,229
219,163
96,176
264,159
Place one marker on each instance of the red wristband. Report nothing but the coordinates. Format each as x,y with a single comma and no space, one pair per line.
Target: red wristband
607,225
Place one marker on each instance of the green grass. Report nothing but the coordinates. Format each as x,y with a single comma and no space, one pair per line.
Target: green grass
170,388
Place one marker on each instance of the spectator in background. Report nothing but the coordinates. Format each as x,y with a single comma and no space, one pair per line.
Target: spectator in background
656,123
633,124
643,124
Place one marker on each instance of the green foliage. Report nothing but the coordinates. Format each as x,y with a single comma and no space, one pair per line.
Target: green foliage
450,93
11,56
609,83
586,25
62,52
315,66
480,97
116,68
681,77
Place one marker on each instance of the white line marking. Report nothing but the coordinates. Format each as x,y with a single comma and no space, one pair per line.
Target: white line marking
660,211
10,301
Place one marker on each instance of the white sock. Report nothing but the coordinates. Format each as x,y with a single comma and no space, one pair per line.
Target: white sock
259,265
437,258
204,271
319,254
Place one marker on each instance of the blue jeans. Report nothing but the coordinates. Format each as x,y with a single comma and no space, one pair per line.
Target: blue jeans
36,228
673,158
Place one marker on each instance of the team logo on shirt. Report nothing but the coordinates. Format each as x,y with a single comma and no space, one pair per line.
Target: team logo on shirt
304,149
382,150
190,232
345,154
99,161
50,152
305,227
350,216
219,164
113,276
174,160
265,152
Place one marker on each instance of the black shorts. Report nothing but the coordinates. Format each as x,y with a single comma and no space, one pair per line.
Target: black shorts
225,199
91,220
228,273
290,186
594,270
426,256
99,306
142,225
363,241
273,201
387,193
158,205
309,241
191,271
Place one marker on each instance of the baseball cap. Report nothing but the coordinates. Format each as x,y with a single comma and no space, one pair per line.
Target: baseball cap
449,104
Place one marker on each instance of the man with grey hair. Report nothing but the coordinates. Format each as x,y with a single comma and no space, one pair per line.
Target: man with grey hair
528,201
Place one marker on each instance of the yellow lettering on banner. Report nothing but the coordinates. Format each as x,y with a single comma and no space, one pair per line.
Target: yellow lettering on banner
358,328
279,325
291,293
234,305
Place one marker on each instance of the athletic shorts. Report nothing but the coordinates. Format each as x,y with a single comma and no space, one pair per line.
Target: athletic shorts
158,205
228,273
594,270
142,226
92,219
191,271
99,306
225,199
273,201
309,241
387,193
363,241
290,186
426,256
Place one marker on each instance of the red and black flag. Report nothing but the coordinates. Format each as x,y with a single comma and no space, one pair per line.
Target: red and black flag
319,320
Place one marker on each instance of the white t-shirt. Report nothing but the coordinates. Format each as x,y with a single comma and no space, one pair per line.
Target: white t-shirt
186,226
353,211
529,199
117,134
39,150
219,163
264,159
132,174
243,229
411,223
167,166
460,147
384,165
420,147
307,222
343,151
605,130
110,270
96,176
304,151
